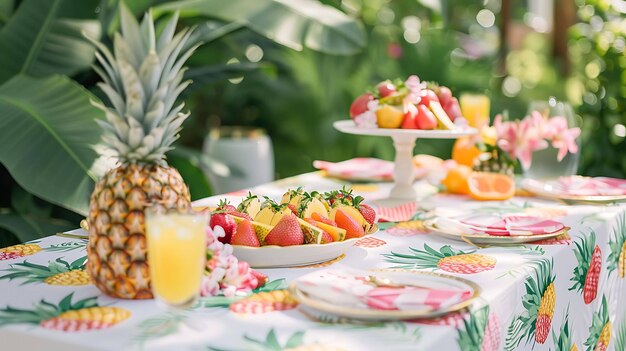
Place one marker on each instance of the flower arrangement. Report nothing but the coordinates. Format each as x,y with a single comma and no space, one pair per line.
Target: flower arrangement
518,140
224,274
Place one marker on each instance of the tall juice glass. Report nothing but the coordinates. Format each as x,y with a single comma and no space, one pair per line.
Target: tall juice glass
475,109
176,255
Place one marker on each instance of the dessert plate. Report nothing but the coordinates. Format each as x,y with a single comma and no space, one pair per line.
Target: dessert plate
272,256
379,295
486,239
579,189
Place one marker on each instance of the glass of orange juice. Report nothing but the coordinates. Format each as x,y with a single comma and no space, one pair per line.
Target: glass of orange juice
176,255
475,109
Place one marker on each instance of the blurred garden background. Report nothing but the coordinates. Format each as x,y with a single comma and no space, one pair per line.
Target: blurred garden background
293,68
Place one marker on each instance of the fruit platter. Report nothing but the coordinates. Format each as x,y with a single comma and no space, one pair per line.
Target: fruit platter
303,228
406,110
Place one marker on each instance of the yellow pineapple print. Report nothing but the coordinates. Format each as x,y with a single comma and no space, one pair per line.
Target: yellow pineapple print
57,272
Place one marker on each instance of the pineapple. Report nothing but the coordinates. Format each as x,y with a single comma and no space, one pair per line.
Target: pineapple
564,341
57,272
309,204
481,332
408,228
587,273
251,205
539,301
494,160
600,330
617,257
142,79
22,250
265,301
292,197
447,259
66,316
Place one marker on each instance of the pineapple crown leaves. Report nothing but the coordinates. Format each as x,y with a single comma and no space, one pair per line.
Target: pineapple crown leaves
471,336
564,340
246,202
583,252
67,246
620,337
44,310
273,205
427,258
142,78
598,321
616,244
35,272
306,200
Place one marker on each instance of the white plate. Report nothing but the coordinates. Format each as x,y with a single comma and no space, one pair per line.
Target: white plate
348,126
325,310
272,256
485,239
552,189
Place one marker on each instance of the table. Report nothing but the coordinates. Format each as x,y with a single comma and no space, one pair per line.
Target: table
510,314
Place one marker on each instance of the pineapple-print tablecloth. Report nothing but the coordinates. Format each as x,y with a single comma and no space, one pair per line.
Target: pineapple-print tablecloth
561,294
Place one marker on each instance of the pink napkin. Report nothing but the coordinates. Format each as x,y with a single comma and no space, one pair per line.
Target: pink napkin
585,186
499,225
362,169
351,289
400,213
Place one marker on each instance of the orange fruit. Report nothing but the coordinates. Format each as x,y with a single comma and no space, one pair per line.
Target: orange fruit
456,180
388,116
465,151
490,186
352,227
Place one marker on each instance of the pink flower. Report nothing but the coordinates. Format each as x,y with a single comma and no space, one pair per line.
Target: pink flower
520,139
563,138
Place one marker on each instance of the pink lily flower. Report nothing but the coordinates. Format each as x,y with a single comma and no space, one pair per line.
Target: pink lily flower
562,138
520,139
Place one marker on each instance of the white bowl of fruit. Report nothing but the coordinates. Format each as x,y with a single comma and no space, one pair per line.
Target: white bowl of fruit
304,228
409,104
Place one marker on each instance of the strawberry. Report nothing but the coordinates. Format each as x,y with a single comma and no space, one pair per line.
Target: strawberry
326,237
293,209
225,206
366,211
245,235
343,196
409,118
287,232
225,222
318,217
352,227
385,88
359,105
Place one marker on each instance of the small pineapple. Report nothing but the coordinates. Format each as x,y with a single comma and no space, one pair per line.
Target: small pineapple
57,272
587,273
563,342
265,301
251,205
617,257
23,250
494,160
142,79
66,316
539,301
600,330
447,259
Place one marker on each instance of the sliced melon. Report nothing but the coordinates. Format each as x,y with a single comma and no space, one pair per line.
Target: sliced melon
443,121
265,215
337,233
352,212
312,234
260,229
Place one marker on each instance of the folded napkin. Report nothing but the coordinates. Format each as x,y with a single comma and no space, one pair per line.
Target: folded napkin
587,186
354,290
362,168
498,225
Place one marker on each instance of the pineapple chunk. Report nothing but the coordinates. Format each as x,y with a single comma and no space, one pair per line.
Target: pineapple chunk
312,234
260,229
443,120
314,206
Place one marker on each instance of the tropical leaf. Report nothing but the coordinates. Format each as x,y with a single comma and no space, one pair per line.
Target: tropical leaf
294,23
29,227
48,129
41,41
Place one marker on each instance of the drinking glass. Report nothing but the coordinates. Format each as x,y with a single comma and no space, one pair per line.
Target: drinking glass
545,164
176,255
475,109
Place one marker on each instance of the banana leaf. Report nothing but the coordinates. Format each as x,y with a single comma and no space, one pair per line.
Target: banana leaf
293,23
39,40
48,130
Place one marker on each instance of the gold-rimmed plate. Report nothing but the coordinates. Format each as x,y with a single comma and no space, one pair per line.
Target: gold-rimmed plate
552,189
272,256
333,311
486,239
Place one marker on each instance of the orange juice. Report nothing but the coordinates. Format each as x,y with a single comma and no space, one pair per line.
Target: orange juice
176,255
475,109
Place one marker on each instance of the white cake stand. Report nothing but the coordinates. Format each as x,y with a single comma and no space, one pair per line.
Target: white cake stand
404,142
